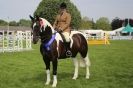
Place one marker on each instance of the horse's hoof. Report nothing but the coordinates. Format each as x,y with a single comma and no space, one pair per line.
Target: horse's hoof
87,77
54,85
47,83
74,78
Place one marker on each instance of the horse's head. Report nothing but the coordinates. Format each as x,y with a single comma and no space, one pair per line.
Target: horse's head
41,29
35,28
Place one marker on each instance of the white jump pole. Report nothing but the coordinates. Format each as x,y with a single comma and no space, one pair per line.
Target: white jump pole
2,41
12,41
28,39
20,40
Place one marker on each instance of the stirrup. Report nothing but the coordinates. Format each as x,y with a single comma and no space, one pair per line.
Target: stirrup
68,53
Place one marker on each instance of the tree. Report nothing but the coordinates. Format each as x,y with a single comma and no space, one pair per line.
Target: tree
131,22
86,23
116,23
24,22
125,22
13,23
48,9
3,23
103,23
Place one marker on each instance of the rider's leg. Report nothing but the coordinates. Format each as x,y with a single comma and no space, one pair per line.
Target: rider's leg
67,43
66,36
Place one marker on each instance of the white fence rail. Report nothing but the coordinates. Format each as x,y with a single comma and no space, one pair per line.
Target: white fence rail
11,41
121,37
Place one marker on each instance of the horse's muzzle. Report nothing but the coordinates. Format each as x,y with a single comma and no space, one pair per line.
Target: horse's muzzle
35,40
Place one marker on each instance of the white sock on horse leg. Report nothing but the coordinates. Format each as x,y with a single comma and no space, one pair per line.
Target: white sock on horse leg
87,62
48,77
75,61
54,81
87,72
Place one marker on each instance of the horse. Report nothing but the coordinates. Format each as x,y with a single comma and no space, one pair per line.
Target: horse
52,48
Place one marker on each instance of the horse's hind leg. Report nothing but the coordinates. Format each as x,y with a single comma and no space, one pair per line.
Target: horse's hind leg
75,61
86,62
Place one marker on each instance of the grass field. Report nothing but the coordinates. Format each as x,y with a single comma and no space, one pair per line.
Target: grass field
111,67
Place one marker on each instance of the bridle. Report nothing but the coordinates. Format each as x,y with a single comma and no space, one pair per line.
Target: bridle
41,26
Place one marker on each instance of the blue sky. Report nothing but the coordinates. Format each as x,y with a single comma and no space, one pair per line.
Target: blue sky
17,9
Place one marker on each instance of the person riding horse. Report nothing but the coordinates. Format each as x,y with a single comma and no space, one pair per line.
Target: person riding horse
62,25
52,45
52,48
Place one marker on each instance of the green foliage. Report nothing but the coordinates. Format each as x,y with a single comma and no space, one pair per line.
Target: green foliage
3,23
103,23
24,22
13,23
86,23
111,67
48,9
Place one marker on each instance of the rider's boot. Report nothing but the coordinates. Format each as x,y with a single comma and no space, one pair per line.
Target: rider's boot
68,51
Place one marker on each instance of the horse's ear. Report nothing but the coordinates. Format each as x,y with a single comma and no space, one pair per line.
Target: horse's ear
31,18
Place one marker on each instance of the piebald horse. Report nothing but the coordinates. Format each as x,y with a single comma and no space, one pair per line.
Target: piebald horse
52,47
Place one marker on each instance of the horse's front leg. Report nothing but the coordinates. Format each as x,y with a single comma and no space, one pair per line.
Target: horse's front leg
55,63
47,63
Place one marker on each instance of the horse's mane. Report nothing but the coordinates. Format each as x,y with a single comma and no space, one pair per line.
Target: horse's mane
46,23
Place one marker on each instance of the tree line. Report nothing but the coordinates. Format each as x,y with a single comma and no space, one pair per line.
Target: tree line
117,23
86,23
21,22
104,23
